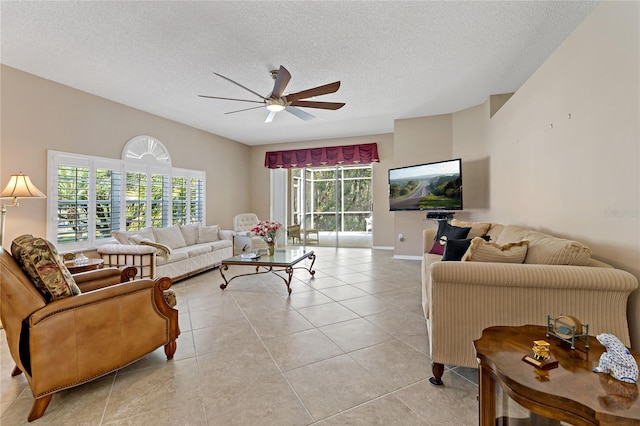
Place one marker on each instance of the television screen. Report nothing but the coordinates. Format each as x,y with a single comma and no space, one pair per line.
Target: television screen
432,186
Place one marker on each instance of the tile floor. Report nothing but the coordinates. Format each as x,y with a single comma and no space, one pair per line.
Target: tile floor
348,347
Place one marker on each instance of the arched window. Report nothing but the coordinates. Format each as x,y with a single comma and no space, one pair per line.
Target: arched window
93,196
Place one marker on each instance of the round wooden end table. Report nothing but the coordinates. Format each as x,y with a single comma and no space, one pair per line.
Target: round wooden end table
571,392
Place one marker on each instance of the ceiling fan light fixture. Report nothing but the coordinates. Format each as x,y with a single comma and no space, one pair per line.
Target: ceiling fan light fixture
275,105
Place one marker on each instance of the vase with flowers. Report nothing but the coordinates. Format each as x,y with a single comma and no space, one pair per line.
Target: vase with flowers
268,230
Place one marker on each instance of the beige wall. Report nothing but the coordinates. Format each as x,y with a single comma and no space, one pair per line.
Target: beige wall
39,115
564,150
418,140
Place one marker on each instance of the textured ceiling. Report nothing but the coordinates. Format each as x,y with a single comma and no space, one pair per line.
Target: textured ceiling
394,59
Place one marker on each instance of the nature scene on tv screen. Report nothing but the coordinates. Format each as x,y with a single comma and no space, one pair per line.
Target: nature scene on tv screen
427,187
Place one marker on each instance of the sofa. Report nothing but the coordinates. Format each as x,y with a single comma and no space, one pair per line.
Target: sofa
177,252
511,275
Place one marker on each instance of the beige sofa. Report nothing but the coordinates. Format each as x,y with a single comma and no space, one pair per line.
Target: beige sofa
178,251
558,277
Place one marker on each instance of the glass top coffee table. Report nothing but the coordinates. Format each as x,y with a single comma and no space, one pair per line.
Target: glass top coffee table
281,261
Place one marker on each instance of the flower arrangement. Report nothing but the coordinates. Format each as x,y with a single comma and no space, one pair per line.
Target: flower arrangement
268,230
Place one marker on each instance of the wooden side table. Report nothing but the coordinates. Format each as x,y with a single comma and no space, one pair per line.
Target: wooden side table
571,392
89,266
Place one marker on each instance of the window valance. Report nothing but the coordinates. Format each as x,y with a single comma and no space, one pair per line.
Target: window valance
326,156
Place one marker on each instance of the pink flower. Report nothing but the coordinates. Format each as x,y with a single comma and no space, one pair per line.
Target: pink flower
268,230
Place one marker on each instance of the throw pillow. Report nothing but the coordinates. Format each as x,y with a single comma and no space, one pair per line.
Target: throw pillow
455,249
208,234
41,262
170,236
447,232
478,229
190,233
484,251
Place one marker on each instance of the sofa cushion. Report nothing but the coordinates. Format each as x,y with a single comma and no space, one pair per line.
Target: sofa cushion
41,262
447,232
546,249
198,249
170,236
484,251
478,229
208,234
190,233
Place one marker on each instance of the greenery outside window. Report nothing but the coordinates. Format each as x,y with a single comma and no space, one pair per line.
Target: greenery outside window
93,196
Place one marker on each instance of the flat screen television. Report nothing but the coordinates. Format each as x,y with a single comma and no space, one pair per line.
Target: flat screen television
432,186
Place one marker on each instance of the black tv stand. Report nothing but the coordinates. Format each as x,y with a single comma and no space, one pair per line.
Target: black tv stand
440,215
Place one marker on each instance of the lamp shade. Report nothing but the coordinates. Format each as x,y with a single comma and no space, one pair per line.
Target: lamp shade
20,186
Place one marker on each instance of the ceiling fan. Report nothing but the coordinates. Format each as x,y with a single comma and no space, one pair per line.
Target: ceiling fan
292,102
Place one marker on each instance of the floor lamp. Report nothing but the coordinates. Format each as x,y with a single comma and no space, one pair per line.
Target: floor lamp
19,186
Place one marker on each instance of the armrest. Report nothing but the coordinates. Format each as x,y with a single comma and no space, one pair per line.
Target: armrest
90,298
466,297
243,233
552,277
99,278
428,235
225,234
125,249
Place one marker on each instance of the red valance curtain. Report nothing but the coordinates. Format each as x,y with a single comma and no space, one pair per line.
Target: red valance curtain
327,156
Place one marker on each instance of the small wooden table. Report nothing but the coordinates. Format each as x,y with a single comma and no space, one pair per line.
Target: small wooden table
89,266
572,392
284,260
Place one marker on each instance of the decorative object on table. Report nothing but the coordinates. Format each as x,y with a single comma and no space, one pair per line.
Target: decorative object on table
617,361
570,330
541,350
19,186
81,259
541,356
268,231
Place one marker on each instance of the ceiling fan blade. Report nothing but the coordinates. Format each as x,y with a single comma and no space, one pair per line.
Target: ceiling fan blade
231,99
321,105
299,113
240,85
316,91
246,109
270,117
281,82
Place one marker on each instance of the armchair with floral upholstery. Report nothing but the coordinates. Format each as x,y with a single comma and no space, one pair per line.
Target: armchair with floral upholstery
63,331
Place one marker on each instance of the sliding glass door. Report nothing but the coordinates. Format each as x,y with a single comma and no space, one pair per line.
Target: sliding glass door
331,206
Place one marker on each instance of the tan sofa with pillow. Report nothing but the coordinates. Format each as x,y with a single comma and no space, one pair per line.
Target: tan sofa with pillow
178,251
496,284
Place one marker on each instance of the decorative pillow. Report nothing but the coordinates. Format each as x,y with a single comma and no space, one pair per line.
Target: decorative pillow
546,249
208,234
455,249
170,236
478,229
484,251
190,233
41,262
447,232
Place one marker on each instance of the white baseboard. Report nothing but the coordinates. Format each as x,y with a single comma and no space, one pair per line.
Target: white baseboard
403,257
383,247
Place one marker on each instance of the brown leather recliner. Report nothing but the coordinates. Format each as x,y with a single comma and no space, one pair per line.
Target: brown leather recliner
71,341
